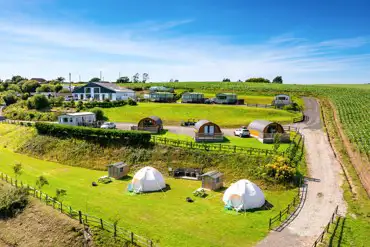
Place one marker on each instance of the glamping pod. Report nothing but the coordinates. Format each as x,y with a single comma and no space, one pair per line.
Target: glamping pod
192,98
152,124
282,100
265,131
147,179
243,195
206,131
226,98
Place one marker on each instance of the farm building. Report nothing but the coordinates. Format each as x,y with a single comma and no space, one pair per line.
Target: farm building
101,91
212,180
206,131
226,98
78,118
192,98
152,124
147,179
161,89
118,170
282,100
265,131
160,96
243,195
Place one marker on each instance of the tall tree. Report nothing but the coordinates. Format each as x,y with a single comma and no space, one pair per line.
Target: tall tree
41,182
30,86
135,78
61,79
95,79
17,78
145,77
278,79
226,80
123,79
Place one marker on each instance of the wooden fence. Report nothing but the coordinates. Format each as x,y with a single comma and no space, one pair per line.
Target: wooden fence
290,209
213,147
326,229
83,218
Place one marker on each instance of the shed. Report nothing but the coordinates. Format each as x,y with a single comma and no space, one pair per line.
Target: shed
152,124
212,180
118,170
282,100
192,98
207,131
265,131
226,98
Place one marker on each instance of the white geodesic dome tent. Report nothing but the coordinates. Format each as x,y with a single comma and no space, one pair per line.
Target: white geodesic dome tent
148,179
244,195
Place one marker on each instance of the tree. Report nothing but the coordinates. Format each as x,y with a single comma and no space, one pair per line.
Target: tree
60,79
135,78
171,80
123,79
99,114
41,182
145,77
278,79
15,87
45,88
57,88
64,90
226,80
59,194
38,102
10,98
176,80
95,79
258,80
17,78
30,86
17,168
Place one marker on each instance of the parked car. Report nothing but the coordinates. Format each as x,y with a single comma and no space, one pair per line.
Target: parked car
108,125
242,132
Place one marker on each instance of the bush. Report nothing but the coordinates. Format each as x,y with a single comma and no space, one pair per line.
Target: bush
101,136
12,201
258,80
99,114
280,170
38,102
292,107
10,98
131,102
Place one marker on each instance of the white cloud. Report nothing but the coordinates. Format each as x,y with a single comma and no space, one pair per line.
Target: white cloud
40,49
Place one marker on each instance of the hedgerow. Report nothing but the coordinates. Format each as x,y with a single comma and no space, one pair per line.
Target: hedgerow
102,136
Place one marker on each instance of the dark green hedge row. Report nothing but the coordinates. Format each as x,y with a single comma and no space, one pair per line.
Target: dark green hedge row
105,104
103,136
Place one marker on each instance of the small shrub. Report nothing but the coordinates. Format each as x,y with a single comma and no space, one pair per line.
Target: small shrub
12,201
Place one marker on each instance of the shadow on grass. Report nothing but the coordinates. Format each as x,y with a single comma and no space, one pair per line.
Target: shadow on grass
125,178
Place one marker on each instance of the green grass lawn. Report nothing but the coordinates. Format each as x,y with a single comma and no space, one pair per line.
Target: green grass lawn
164,216
229,140
173,114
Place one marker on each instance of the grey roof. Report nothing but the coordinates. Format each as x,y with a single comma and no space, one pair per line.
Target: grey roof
195,93
156,119
113,86
259,125
226,94
118,165
38,79
213,174
200,123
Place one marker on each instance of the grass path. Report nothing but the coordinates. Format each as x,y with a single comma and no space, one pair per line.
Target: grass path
173,114
164,216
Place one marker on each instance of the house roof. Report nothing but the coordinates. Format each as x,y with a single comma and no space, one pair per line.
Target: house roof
259,125
38,79
213,174
79,114
117,165
109,87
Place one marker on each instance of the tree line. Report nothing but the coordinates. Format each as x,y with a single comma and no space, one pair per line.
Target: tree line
277,80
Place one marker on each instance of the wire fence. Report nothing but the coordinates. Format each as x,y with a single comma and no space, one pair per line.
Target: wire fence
333,218
83,218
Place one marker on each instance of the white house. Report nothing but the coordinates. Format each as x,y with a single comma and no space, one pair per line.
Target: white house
78,118
101,91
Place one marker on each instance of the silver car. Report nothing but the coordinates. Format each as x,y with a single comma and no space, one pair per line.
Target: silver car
108,125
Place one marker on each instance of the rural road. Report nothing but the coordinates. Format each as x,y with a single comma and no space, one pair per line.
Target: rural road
323,190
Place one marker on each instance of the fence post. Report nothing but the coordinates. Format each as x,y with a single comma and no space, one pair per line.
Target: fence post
101,223
270,224
115,230
132,237
46,200
70,210
288,209
61,207
234,148
80,216
280,216
151,243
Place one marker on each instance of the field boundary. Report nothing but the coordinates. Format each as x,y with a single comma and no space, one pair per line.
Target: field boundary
333,218
83,218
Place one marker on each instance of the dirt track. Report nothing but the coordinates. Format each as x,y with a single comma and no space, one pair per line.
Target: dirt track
323,192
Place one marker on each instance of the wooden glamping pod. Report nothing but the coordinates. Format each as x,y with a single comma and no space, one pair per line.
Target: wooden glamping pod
265,131
206,131
152,124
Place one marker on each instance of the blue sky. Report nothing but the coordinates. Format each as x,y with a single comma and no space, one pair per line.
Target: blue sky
303,41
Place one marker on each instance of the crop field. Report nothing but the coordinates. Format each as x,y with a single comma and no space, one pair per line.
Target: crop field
173,114
162,216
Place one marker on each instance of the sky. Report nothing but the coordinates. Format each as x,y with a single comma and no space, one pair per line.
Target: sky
305,42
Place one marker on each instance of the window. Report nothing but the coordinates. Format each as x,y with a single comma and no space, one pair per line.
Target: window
65,120
96,90
71,120
218,180
121,169
87,90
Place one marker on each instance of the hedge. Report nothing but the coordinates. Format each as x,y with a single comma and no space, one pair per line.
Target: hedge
105,104
102,136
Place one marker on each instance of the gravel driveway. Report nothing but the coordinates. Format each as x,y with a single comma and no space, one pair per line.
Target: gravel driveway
323,194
